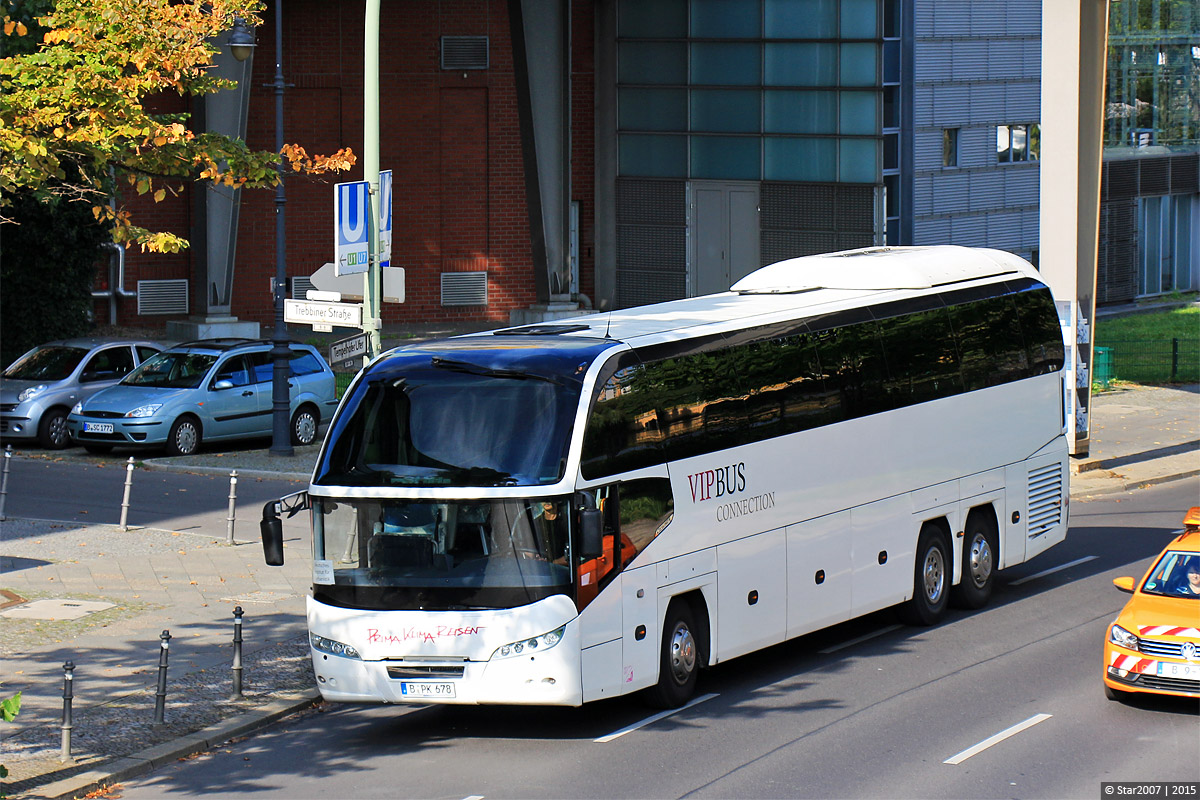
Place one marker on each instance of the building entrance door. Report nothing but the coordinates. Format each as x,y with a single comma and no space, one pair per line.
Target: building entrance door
722,234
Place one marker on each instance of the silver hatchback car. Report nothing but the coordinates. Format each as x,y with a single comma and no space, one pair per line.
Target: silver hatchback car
205,391
38,390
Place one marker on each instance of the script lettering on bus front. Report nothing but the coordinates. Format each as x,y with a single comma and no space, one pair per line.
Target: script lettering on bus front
376,636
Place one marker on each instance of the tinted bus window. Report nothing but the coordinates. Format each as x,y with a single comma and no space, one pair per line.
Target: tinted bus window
785,388
623,428
921,357
853,364
990,346
1039,324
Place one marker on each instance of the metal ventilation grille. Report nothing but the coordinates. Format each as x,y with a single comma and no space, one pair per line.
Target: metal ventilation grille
464,52
464,288
1045,499
300,284
163,297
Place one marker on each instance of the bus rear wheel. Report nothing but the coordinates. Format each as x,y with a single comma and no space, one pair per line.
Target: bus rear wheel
678,664
980,558
931,579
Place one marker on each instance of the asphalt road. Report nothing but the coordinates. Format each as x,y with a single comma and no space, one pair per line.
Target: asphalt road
1003,702
38,489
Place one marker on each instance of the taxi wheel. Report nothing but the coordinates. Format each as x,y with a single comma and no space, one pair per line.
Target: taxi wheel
184,438
678,665
52,431
304,426
931,578
980,560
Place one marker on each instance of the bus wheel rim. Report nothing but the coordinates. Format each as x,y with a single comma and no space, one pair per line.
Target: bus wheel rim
981,560
934,574
683,653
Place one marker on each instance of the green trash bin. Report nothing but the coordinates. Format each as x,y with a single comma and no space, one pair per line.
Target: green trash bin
1102,372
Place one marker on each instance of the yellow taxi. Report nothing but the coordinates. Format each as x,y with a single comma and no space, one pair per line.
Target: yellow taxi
1154,644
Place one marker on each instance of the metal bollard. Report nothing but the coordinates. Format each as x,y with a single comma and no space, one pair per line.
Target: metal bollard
160,697
237,652
125,500
4,480
232,507
68,696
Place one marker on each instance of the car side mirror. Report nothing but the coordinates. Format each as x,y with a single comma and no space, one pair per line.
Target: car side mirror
224,383
271,528
1124,584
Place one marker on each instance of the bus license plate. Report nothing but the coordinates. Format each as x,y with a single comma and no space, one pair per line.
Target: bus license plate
433,689
1187,671
97,427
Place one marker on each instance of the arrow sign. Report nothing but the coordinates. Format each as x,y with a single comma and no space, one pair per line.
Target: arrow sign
351,231
385,218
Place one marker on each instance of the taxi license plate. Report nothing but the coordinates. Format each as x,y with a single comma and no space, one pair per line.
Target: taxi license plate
1167,669
97,427
431,689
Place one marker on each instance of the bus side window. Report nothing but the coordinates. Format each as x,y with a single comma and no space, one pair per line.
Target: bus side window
634,513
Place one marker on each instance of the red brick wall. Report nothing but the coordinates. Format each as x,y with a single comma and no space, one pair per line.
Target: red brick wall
452,140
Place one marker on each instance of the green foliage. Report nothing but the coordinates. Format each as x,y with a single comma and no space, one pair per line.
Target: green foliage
46,264
9,708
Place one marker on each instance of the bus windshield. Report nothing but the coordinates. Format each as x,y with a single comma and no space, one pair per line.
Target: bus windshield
452,421
411,554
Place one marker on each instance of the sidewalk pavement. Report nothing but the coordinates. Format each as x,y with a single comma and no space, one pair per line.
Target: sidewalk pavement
190,583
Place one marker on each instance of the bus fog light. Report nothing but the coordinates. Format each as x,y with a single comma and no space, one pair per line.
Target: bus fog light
543,642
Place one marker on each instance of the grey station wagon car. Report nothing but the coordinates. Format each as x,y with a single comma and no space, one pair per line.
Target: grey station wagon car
38,390
203,391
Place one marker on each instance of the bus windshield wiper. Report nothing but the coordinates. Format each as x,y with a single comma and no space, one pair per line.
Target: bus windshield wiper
491,372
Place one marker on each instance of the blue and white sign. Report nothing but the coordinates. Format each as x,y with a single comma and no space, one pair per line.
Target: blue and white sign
351,231
385,218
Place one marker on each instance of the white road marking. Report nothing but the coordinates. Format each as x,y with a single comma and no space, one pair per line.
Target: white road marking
473,797
860,639
1052,570
999,737
652,719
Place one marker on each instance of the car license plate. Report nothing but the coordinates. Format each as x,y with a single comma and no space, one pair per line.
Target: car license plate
1167,669
97,427
431,689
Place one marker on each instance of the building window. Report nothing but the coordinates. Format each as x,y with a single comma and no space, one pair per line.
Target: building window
1018,143
949,147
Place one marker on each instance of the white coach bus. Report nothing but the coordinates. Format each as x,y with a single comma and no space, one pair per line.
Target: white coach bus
559,513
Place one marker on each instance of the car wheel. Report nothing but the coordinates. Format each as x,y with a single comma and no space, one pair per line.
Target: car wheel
980,558
304,426
678,665
52,430
184,438
1113,694
98,449
931,580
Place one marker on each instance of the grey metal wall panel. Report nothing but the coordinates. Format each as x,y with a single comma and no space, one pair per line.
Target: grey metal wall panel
987,192
1117,260
638,288
950,193
651,241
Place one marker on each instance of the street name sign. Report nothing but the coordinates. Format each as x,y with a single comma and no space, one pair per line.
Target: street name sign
309,312
347,349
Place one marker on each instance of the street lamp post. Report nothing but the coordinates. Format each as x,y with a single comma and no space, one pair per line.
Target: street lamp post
281,442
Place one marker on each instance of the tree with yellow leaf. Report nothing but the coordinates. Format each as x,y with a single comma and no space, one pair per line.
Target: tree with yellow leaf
77,78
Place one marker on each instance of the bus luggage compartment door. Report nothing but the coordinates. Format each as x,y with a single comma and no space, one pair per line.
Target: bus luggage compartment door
751,594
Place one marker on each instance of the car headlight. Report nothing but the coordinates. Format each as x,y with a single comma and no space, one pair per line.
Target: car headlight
31,392
77,408
1119,636
144,411
530,646
332,647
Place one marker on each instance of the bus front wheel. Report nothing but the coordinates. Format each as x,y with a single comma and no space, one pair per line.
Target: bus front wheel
931,579
679,661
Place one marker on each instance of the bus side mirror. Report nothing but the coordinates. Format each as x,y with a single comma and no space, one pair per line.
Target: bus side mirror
592,541
271,528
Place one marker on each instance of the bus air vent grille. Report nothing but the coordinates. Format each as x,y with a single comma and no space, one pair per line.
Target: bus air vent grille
1045,498
417,671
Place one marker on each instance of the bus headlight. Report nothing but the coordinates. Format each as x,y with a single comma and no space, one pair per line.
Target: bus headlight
1122,637
332,647
531,646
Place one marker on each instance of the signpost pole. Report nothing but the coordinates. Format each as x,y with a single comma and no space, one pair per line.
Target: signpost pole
371,288
281,440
